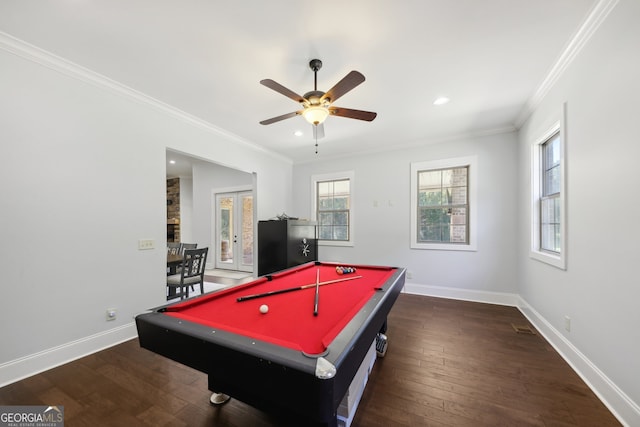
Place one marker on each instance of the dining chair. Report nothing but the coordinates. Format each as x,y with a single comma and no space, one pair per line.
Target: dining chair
192,273
188,246
174,248
184,246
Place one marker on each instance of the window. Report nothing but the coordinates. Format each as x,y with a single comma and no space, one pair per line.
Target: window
333,208
550,197
443,204
547,198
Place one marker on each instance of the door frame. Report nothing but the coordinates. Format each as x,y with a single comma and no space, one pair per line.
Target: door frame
215,221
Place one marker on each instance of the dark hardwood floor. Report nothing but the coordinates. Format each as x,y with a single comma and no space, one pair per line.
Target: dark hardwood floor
449,363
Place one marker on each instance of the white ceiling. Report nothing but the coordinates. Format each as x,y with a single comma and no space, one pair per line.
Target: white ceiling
206,58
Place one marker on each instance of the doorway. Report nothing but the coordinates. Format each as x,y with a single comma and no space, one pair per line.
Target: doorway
234,225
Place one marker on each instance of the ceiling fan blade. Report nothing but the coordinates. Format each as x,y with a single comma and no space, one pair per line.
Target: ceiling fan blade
352,114
279,118
282,90
350,81
318,131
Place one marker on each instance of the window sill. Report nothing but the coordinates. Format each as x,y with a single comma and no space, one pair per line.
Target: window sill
444,247
557,261
335,243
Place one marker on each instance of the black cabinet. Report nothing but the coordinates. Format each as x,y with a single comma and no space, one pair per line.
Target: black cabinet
285,243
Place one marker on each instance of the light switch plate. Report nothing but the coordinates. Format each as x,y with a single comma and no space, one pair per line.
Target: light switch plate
145,244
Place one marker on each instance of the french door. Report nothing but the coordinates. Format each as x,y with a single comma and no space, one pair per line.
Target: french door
234,231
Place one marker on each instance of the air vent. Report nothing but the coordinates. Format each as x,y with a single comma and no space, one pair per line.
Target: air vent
523,329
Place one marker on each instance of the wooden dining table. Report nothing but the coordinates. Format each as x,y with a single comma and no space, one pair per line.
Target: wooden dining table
173,262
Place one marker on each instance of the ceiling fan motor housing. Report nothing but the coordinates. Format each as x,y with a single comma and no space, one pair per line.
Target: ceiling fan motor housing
315,98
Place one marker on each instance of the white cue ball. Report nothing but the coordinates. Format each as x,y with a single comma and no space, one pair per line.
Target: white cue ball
264,308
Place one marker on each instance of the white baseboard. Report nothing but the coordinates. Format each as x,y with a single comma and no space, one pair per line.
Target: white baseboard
500,298
620,405
18,369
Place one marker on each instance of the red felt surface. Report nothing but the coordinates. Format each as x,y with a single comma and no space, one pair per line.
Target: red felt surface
290,321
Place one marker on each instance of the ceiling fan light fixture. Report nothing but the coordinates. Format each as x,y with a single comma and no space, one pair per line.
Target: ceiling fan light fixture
315,114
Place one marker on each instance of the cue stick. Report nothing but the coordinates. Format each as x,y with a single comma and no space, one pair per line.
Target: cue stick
315,304
296,288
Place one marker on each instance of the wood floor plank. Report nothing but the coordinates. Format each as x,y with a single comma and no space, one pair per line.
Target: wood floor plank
449,363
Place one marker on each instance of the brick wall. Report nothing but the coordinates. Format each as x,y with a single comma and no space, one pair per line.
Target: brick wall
173,209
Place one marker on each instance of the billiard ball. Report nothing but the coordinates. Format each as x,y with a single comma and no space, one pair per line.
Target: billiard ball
264,308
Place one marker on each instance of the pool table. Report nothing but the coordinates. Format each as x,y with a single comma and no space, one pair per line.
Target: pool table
288,361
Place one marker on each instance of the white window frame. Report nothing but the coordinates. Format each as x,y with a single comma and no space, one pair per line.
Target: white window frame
472,163
555,259
350,175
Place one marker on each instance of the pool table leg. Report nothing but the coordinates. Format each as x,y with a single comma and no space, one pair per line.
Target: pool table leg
219,398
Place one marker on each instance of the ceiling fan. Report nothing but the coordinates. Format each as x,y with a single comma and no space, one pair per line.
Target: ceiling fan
317,105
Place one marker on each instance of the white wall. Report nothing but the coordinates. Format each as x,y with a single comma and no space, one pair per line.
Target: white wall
600,289
382,233
83,178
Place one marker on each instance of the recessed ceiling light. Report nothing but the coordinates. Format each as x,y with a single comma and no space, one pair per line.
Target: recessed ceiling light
173,162
441,100
298,133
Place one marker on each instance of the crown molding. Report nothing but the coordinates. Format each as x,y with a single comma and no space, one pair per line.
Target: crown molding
594,19
47,59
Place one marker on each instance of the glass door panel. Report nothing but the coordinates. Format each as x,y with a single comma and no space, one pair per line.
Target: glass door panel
225,231
234,236
246,238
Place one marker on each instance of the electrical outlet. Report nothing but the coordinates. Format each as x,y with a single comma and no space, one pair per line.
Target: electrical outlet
111,314
567,323
145,244
409,275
